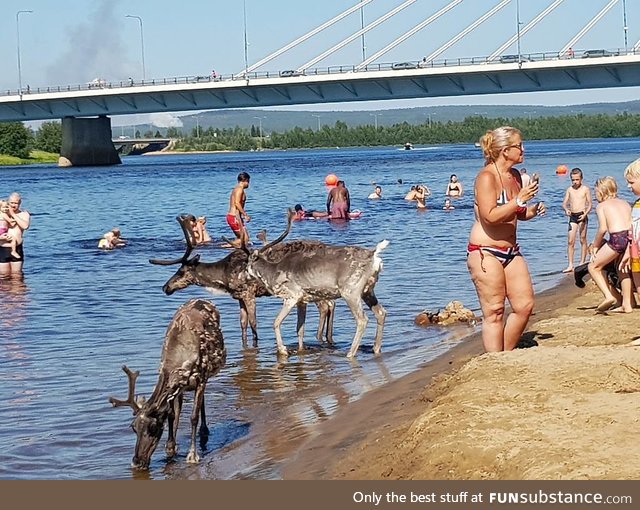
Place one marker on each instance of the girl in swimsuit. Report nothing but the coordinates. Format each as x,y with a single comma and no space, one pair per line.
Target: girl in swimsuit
498,270
614,217
454,188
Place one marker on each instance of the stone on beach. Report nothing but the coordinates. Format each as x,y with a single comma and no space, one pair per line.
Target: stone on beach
452,313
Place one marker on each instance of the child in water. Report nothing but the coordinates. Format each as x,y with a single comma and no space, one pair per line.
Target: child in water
7,222
614,217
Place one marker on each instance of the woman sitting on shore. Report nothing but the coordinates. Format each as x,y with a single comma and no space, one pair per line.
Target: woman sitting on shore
497,268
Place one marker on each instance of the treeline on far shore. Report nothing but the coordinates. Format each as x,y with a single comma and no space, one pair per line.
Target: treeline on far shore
21,142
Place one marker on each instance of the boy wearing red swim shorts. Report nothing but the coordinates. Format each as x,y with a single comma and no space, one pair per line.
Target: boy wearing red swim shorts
236,215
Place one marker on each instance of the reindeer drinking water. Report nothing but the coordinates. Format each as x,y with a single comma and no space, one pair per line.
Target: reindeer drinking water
193,351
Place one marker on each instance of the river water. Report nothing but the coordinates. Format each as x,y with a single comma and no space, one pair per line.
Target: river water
80,314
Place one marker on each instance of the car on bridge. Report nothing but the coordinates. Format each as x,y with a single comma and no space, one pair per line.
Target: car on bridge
510,59
291,72
404,65
599,53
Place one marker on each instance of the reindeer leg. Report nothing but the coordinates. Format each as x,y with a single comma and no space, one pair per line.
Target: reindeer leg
323,316
331,308
174,420
372,302
243,322
198,404
287,306
302,317
204,429
355,305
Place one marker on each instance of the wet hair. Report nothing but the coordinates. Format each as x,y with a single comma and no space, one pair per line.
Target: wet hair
452,176
115,230
606,187
340,183
243,177
576,171
633,170
297,208
493,142
379,187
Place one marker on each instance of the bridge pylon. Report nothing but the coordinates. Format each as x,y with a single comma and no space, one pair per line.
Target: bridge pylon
86,141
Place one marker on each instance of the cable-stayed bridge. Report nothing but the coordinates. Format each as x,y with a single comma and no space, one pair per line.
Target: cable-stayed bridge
505,70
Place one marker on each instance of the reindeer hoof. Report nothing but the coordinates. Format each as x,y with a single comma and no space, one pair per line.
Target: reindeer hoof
284,353
171,450
193,457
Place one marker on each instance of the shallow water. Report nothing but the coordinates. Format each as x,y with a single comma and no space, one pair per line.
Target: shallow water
81,314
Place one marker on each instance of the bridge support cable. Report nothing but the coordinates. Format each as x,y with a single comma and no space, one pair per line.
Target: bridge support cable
302,39
588,26
354,36
636,47
470,28
525,29
410,33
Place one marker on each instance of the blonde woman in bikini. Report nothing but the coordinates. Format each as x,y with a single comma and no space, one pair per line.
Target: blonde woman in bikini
498,270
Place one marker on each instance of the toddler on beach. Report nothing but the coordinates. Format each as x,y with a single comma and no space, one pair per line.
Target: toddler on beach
614,217
7,222
632,175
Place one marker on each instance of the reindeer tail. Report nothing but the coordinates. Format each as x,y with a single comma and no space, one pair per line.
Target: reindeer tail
377,261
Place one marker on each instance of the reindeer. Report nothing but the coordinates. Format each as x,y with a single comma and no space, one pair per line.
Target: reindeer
230,275
310,271
193,351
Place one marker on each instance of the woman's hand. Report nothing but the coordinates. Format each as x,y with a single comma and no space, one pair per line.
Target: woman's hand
541,209
528,192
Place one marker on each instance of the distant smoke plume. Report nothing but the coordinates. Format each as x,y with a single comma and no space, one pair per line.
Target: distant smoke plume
165,120
95,50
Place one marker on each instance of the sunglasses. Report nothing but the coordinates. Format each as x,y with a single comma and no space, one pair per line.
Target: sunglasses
518,146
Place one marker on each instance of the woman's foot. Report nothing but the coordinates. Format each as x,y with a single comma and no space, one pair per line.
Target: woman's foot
606,304
568,270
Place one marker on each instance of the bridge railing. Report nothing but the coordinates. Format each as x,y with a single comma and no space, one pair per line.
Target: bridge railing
100,84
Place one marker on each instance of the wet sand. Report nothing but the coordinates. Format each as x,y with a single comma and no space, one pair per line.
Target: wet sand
564,409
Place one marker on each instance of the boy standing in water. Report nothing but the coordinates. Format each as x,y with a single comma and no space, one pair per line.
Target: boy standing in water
237,216
577,204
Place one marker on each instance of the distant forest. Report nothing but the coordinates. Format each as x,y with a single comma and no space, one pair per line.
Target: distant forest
469,130
18,140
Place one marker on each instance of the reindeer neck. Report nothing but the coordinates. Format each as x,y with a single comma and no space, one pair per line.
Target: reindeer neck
161,396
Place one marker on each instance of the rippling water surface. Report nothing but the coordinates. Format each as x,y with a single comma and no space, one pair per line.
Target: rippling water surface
80,314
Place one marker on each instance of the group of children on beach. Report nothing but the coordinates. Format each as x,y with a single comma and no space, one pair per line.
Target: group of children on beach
622,224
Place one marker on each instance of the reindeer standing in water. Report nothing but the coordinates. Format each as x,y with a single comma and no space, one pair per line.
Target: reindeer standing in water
303,272
193,351
230,275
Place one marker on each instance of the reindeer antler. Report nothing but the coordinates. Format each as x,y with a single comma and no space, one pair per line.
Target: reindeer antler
131,400
189,237
290,215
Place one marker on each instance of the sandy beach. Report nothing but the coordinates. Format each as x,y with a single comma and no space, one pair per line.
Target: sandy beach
564,409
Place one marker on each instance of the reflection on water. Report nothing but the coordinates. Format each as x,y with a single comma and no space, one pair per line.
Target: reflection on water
81,313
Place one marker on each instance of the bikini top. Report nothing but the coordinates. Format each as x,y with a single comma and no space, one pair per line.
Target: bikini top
453,186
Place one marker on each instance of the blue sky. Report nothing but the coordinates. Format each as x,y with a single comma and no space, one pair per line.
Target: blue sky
74,41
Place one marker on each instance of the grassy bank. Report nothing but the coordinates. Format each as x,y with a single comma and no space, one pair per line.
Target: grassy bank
34,157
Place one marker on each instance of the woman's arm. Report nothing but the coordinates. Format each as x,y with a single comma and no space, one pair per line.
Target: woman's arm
488,210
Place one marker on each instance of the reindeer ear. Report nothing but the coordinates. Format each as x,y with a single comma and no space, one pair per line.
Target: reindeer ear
193,261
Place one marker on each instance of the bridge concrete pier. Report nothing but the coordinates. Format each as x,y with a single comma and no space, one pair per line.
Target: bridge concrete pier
87,142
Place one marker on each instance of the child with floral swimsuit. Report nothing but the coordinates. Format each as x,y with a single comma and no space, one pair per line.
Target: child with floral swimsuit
614,217
6,222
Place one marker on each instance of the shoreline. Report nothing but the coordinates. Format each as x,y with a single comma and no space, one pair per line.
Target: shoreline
439,422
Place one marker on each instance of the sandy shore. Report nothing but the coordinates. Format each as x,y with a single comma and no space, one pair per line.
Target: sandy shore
567,408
